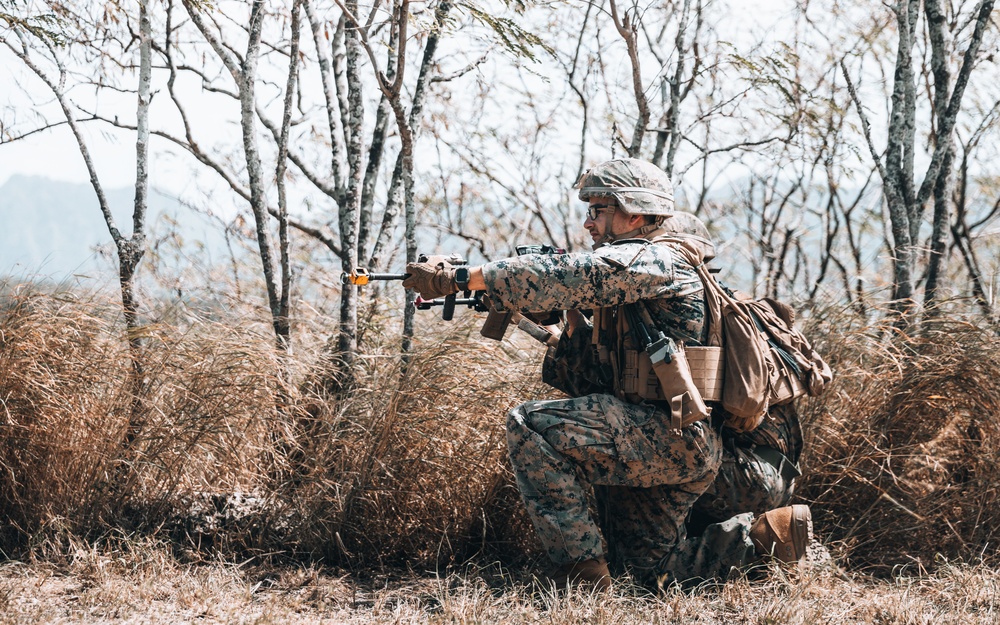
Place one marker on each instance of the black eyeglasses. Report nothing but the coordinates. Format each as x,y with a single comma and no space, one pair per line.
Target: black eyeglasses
593,210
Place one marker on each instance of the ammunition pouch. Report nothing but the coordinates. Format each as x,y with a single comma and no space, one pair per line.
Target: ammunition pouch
784,383
681,378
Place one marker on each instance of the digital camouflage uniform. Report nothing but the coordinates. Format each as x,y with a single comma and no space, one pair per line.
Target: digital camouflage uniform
756,474
751,479
609,441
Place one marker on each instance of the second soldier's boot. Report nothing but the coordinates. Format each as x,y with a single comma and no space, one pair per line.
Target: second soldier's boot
593,573
783,533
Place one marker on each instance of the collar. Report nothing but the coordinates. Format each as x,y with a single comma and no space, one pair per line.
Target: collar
646,233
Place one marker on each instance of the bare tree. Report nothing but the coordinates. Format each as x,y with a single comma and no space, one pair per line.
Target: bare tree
336,119
282,323
51,55
627,25
244,74
341,66
905,195
969,222
717,111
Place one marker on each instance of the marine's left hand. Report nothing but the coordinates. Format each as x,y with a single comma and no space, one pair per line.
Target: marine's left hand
432,278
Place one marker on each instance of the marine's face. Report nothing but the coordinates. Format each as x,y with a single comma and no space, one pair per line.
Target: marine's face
600,217
603,218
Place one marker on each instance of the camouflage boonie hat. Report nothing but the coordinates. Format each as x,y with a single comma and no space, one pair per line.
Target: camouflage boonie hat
639,187
687,226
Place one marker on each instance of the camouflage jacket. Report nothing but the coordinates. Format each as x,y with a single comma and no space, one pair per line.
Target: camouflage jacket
620,273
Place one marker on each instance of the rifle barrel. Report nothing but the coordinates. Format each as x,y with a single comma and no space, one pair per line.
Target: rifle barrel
361,276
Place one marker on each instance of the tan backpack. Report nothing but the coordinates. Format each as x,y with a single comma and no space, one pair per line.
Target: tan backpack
765,360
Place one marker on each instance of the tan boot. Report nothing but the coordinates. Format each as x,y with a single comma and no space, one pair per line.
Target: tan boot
593,573
783,533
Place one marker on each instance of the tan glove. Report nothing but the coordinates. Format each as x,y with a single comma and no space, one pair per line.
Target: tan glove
432,278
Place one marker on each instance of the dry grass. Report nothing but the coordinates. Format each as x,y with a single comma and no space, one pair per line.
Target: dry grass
403,469
60,388
901,453
140,582
413,468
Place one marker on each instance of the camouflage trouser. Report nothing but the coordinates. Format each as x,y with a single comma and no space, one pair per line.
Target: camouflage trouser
747,482
613,443
633,523
634,520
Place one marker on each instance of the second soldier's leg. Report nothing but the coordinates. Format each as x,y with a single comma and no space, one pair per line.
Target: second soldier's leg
720,548
745,483
640,527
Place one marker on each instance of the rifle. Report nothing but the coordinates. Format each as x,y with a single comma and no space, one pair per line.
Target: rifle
497,321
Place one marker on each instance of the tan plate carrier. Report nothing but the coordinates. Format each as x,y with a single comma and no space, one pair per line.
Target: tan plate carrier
706,365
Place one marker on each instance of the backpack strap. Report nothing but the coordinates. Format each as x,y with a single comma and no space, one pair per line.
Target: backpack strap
716,298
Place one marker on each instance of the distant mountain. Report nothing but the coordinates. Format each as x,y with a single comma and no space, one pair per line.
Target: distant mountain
51,229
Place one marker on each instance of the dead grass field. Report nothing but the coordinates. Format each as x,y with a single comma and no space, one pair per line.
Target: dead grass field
152,587
239,456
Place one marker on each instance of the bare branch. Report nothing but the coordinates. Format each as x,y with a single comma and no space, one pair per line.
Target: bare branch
224,54
628,30
56,88
866,126
946,124
332,104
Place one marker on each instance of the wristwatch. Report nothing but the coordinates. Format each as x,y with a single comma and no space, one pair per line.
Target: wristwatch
462,278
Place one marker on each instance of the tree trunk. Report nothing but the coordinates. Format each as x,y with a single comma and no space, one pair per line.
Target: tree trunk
282,325
939,235
343,359
130,251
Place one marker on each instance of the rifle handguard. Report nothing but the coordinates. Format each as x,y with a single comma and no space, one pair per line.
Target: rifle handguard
496,322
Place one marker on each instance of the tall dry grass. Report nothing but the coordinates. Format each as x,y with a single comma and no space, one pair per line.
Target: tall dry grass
405,468
412,468
61,403
240,455
67,401
901,461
